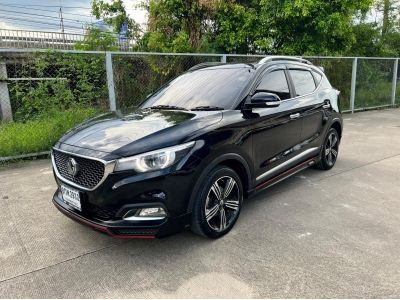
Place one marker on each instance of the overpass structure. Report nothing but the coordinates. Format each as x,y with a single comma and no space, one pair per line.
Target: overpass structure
48,40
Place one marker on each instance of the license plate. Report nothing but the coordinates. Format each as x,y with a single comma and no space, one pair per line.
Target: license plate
71,197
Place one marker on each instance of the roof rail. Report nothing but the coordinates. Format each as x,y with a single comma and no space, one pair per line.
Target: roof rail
290,58
213,64
205,65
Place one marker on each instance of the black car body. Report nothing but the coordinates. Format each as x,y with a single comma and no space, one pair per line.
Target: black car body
267,122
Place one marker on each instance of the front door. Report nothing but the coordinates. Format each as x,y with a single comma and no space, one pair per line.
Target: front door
276,131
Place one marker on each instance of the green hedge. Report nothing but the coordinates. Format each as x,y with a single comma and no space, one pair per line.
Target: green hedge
39,134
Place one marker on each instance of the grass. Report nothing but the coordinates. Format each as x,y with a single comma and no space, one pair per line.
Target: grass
373,94
39,134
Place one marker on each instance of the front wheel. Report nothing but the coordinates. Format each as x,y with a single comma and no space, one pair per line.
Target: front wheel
330,150
218,204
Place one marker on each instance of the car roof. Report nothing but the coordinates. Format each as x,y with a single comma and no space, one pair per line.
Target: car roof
268,60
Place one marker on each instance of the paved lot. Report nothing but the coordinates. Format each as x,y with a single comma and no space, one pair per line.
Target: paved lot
318,234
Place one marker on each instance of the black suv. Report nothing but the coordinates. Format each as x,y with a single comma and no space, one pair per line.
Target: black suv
193,150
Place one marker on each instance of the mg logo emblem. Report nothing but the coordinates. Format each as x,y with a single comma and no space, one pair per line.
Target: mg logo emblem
72,167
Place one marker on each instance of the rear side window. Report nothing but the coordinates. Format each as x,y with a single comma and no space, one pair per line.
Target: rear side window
303,81
317,77
275,82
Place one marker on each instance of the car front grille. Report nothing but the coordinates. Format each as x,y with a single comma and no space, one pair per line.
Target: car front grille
90,172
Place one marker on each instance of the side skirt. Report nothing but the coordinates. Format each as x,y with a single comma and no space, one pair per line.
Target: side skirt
286,174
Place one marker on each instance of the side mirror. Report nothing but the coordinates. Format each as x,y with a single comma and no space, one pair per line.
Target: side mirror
262,99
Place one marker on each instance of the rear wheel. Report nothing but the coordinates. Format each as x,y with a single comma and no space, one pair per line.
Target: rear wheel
218,204
330,150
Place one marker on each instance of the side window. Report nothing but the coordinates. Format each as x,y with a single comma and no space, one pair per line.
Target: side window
325,83
317,77
275,82
303,82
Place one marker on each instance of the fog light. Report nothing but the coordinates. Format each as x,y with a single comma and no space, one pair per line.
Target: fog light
152,212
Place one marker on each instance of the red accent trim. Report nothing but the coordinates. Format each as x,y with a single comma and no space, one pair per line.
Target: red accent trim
97,226
284,174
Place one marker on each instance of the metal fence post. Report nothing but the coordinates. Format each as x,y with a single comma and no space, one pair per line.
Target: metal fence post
223,58
5,104
110,82
353,84
394,82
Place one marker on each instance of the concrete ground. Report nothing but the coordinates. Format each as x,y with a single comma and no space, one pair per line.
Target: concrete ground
317,234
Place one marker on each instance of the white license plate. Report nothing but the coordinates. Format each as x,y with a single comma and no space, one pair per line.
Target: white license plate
71,197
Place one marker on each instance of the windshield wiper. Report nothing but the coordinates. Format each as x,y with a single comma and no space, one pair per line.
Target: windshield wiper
172,107
207,108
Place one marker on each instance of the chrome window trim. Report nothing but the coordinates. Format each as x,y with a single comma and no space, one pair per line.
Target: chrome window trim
309,94
271,68
108,169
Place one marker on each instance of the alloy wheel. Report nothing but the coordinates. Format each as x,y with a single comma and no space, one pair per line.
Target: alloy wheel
222,203
331,148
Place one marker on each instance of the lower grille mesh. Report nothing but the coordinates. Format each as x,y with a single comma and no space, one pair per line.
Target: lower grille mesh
104,214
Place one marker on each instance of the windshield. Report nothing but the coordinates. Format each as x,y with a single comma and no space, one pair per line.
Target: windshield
216,87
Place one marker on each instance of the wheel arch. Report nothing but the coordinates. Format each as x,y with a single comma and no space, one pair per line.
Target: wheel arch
336,124
232,160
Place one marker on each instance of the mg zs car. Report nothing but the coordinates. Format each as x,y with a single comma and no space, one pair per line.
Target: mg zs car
190,154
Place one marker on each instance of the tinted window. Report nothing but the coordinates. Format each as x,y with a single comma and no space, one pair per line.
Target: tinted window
317,77
275,82
303,81
216,86
325,83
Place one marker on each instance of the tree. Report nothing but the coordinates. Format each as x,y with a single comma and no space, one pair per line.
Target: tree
95,39
311,27
115,15
271,26
380,37
177,25
390,30
234,27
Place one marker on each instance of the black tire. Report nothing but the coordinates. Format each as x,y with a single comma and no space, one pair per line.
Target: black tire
329,151
228,205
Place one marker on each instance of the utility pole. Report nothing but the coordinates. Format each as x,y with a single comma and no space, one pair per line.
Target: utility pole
62,23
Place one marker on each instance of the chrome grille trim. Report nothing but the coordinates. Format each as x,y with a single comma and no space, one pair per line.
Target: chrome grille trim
108,169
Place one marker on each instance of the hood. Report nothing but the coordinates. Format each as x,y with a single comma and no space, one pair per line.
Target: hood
139,131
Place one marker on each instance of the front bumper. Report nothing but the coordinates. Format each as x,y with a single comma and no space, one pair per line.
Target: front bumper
112,206
119,228
99,227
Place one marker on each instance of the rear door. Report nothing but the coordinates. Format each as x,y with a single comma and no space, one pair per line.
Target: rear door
311,107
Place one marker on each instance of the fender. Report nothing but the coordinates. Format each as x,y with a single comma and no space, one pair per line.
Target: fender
210,166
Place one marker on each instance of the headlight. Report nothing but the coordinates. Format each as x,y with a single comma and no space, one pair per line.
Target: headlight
154,160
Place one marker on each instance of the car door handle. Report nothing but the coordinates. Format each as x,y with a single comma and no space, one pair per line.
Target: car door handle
295,116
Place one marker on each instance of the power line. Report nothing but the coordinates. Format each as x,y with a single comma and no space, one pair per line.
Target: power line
40,15
57,6
46,10
37,22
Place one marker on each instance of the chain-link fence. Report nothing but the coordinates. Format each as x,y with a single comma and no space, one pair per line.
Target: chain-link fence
44,93
137,75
